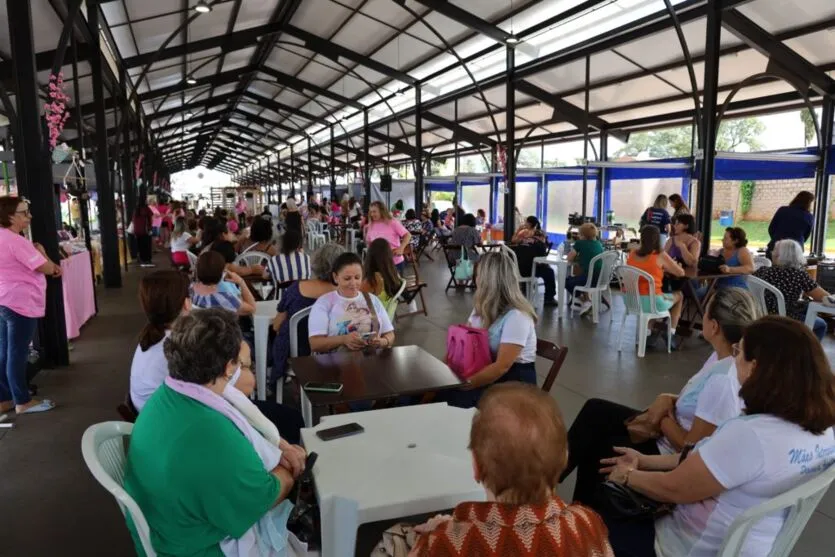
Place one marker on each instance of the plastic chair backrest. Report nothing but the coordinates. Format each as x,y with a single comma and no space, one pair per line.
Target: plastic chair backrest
608,260
103,449
759,287
253,258
800,503
761,261
391,306
629,278
549,351
295,322
192,260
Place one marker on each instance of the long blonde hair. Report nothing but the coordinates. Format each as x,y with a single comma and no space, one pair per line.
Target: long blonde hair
385,215
497,289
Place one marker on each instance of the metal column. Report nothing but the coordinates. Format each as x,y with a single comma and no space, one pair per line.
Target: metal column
586,137
107,205
366,167
510,168
309,171
419,152
822,178
292,173
34,174
602,174
704,210
333,170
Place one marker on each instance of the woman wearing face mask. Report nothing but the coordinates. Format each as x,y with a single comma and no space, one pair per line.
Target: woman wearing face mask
198,416
347,318
22,302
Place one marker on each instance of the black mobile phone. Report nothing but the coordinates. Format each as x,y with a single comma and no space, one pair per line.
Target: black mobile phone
339,431
323,387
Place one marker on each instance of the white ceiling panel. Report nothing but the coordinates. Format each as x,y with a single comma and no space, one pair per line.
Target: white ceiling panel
321,17
285,60
779,15
361,34
254,14
238,59
114,13
151,34
212,24
562,78
319,72
402,53
817,48
147,8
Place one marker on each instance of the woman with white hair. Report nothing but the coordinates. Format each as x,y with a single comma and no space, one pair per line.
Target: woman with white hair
502,309
789,276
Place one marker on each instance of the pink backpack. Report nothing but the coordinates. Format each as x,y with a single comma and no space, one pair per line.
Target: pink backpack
467,350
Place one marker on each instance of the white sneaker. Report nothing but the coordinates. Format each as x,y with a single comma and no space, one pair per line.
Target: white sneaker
586,307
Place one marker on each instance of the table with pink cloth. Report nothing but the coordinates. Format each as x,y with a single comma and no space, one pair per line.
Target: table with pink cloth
79,298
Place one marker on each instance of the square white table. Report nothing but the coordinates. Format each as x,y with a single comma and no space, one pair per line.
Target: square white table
265,312
814,309
563,269
409,460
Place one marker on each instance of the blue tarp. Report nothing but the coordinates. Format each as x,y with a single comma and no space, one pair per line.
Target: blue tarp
746,169
439,186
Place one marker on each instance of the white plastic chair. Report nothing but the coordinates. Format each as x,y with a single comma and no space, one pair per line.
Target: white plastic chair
761,261
102,447
530,283
799,502
596,290
295,320
391,307
192,263
253,258
759,287
628,278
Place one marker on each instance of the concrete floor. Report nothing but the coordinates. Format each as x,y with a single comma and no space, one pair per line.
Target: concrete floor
54,507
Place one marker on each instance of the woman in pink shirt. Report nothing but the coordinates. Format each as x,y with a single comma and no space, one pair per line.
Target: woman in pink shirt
22,302
381,225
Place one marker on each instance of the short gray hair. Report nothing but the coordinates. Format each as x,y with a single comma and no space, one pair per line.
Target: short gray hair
201,344
321,262
788,253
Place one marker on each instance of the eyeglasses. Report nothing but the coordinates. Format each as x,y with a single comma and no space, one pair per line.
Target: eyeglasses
25,212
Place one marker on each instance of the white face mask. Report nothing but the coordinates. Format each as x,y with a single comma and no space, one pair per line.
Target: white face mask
235,377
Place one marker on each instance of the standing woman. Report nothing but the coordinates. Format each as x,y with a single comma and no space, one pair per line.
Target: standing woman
382,225
679,208
792,222
22,302
658,216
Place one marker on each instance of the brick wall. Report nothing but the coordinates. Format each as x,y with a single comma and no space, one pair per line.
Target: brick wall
769,195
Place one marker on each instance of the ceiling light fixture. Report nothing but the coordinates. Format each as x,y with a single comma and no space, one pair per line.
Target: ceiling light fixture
189,114
202,7
512,40
191,81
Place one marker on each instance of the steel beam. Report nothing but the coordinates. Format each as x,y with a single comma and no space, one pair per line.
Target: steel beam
366,167
465,18
510,146
192,106
300,85
822,178
34,176
419,115
704,207
460,133
766,44
278,107
216,80
398,145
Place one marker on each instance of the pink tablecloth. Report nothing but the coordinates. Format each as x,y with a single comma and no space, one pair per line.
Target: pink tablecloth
79,299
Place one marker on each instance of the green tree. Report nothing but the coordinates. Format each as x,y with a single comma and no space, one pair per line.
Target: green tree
528,158
676,142
809,131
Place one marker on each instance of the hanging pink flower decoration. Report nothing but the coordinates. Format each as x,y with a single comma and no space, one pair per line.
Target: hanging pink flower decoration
55,111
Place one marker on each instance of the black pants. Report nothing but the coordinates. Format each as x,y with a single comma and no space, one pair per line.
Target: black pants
630,538
288,420
546,273
134,251
143,244
599,427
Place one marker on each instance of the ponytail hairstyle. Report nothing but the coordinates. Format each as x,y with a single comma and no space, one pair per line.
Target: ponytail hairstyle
162,295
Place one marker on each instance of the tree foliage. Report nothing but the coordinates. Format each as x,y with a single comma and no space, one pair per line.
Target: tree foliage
676,142
809,131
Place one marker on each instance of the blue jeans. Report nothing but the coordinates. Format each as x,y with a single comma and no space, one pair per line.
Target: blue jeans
820,328
524,373
574,281
16,332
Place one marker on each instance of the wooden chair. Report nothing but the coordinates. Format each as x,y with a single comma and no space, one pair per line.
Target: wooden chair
127,410
414,286
550,351
421,249
452,253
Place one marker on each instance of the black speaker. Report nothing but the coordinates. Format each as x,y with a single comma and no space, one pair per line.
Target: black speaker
248,195
385,183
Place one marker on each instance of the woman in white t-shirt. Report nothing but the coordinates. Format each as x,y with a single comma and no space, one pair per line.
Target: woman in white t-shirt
163,296
672,422
501,308
181,241
343,319
784,439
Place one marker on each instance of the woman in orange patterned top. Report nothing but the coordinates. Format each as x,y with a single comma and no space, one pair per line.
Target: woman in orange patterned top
519,448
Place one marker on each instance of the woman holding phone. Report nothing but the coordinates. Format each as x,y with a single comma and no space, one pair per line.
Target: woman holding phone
347,318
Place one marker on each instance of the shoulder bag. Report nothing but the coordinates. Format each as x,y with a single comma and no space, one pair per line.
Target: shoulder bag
467,350
464,267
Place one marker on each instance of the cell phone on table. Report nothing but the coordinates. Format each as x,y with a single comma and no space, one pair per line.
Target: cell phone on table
339,431
323,387
369,336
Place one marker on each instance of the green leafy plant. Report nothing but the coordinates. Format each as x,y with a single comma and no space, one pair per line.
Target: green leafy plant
746,193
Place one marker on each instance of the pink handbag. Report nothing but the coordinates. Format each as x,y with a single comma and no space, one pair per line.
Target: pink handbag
467,350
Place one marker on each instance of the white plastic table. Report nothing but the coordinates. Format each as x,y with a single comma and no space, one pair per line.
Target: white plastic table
814,309
265,312
563,269
409,460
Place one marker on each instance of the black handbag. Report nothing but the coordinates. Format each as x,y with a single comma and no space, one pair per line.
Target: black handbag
625,503
709,264
304,520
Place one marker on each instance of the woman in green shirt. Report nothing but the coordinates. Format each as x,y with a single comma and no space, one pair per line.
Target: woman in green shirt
582,252
205,479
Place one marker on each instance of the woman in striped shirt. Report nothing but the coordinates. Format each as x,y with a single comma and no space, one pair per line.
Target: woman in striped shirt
291,264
